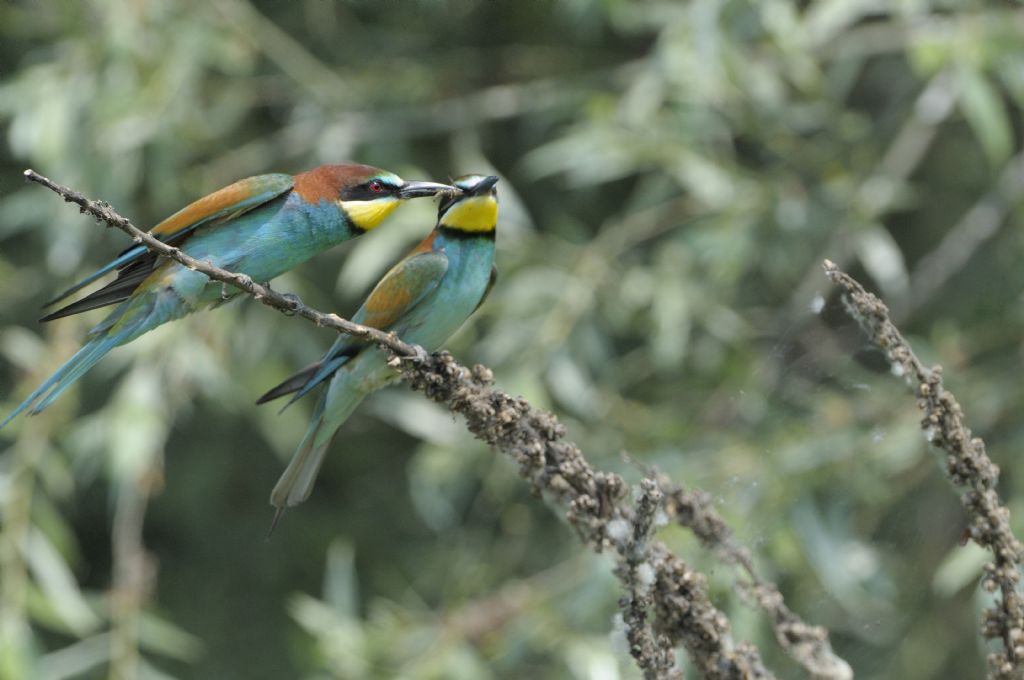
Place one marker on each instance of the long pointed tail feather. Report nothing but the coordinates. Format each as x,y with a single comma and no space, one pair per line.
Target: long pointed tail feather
62,378
293,383
74,368
125,257
297,480
303,381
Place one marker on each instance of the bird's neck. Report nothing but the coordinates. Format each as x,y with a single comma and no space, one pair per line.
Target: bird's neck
322,224
463,247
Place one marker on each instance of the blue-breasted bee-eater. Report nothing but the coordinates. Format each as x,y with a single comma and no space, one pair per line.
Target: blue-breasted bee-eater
262,226
423,299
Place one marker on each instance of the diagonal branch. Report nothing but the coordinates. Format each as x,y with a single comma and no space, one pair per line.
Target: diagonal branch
667,603
806,644
968,468
287,304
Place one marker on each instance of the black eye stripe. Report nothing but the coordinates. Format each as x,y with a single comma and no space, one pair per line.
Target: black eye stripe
363,192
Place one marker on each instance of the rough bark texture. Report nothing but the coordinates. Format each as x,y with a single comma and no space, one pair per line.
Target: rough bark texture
968,467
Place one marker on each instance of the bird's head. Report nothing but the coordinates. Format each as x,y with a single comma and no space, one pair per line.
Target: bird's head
473,207
365,194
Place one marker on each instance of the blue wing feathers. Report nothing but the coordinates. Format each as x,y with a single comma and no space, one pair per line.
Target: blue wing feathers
272,186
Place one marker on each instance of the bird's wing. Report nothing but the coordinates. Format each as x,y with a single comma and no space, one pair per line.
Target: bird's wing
401,289
398,293
136,263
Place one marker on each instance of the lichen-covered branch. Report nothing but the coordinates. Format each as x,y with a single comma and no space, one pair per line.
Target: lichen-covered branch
806,644
651,650
666,603
595,505
968,467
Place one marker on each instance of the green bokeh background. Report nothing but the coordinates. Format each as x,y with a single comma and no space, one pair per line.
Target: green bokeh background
673,175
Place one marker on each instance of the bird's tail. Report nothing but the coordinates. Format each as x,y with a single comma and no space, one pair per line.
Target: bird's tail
297,480
105,337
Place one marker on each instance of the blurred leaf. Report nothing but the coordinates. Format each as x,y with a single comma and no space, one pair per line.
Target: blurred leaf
419,418
961,566
341,641
827,18
157,634
844,564
592,660
75,659
571,386
340,581
148,671
439,480
883,259
985,112
138,426
58,584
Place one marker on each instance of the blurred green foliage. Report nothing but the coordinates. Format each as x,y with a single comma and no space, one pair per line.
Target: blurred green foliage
673,175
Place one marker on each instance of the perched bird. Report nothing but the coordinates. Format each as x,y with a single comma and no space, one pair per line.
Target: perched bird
261,226
423,299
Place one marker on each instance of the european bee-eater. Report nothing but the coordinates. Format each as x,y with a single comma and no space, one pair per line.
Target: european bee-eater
423,299
261,226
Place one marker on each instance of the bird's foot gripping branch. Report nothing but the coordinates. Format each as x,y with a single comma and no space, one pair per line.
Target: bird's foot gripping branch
665,603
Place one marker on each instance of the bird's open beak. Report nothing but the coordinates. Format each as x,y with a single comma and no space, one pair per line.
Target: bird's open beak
483,186
419,189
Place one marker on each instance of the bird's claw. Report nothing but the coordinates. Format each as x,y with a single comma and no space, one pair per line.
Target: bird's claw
420,355
294,301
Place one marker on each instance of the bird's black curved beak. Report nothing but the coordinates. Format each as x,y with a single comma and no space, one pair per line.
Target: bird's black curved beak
483,186
420,189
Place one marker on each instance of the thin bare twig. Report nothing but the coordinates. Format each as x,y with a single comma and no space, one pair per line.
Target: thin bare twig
968,467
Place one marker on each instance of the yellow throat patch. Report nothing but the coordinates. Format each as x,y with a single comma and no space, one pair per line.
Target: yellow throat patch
368,214
475,214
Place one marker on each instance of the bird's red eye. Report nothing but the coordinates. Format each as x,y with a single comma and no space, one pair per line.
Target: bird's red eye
376,186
